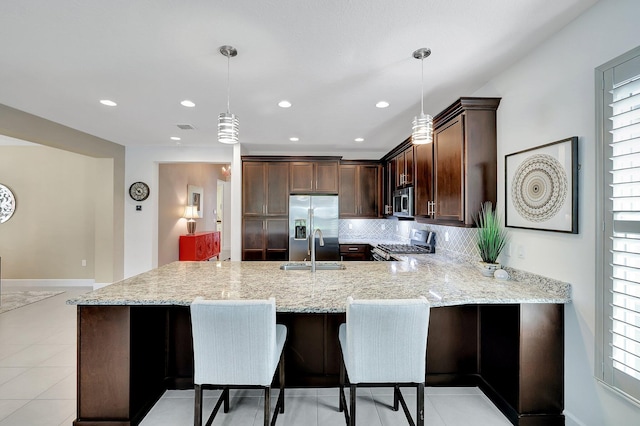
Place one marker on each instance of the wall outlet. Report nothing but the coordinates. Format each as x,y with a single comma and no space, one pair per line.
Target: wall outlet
507,250
446,236
84,262
382,226
350,226
521,251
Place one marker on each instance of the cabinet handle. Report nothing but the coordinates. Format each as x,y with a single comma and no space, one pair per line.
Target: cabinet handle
353,248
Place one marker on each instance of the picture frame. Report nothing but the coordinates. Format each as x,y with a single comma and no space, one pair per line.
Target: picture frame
195,197
541,187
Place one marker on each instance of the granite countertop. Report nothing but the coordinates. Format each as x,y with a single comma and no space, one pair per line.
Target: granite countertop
442,280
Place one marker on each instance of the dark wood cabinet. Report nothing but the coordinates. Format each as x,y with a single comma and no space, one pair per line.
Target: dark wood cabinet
389,185
459,172
314,177
448,147
265,188
423,192
355,252
360,190
265,238
404,168
265,207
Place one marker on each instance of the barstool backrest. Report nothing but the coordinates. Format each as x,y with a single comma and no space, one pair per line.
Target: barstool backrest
387,340
234,341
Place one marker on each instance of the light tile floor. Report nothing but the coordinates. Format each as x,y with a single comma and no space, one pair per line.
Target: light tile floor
38,385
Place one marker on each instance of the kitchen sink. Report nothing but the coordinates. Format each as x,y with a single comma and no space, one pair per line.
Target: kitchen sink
306,266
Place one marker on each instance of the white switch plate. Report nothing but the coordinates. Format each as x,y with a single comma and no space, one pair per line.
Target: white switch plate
446,236
84,262
521,252
507,250
382,226
350,226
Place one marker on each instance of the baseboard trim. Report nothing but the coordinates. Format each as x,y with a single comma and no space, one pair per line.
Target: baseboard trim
17,283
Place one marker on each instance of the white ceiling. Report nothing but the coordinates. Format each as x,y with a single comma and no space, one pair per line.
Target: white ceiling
332,59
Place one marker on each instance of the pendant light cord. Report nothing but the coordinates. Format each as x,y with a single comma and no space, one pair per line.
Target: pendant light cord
228,84
422,87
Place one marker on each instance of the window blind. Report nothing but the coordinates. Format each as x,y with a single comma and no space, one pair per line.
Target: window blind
623,210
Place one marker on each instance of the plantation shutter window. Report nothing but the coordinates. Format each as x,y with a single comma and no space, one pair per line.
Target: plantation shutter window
621,254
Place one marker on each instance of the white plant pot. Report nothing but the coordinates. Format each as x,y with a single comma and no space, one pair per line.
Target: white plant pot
488,269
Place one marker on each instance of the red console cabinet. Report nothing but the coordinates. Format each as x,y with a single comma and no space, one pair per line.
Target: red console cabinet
200,246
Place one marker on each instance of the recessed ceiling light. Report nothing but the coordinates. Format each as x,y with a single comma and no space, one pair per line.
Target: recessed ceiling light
175,138
284,104
187,103
382,104
294,139
107,102
359,140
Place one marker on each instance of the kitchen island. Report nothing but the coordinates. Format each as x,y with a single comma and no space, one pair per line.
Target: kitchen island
134,338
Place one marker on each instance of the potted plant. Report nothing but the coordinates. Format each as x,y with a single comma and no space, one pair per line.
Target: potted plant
491,238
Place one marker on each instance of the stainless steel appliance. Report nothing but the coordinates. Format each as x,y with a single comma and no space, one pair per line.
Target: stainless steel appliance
306,214
422,242
403,202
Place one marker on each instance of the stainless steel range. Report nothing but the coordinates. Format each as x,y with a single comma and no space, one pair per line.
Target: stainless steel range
422,242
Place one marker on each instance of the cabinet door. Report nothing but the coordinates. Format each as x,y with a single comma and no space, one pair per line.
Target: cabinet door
399,160
302,178
347,193
326,177
253,188
390,185
423,180
277,188
408,166
449,167
253,241
368,191
277,239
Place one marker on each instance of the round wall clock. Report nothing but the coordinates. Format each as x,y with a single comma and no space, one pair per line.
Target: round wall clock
7,203
139,191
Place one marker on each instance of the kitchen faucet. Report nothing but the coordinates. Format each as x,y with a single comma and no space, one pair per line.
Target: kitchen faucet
313,247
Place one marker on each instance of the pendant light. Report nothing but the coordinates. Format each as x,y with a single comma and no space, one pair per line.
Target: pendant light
422,131
227,122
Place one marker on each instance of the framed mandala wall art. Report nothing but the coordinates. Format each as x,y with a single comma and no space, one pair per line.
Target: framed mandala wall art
541,187
7,203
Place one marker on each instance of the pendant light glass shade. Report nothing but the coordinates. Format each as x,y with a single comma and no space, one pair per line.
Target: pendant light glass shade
422,130
228,125
227,128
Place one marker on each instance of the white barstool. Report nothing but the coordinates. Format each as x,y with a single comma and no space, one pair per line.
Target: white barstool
236,344
384,343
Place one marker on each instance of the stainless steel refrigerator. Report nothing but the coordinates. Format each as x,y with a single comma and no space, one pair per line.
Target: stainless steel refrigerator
306,214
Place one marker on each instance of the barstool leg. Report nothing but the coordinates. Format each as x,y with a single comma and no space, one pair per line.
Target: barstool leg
420,399
281,367
267,405
352,405
197,412
396,390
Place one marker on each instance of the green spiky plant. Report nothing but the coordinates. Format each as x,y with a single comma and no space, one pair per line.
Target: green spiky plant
491,237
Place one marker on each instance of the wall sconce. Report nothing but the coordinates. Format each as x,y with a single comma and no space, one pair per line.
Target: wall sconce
191,214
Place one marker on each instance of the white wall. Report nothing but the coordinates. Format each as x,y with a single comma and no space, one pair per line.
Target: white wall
548,96
141,227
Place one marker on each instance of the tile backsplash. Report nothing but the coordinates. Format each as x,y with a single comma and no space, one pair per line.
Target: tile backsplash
454,239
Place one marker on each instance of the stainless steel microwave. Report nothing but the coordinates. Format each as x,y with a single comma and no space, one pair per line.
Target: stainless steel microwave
403,202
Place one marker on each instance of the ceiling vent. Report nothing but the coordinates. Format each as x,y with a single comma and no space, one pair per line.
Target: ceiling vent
185,127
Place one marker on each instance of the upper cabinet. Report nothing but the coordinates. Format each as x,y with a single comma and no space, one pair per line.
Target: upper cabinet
314,177
360,189
459,172
404,168
265,188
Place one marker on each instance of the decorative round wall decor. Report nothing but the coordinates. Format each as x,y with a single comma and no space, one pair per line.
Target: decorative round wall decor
7,203
139,191
539,188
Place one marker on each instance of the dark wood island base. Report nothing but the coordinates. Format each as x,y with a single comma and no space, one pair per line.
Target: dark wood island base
129,355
